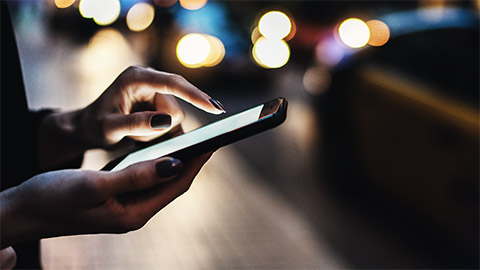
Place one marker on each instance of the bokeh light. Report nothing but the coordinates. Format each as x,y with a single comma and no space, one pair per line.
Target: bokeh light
379,33
140,17
87,8
102,12
216,53
354,33
64,3
275,25
107,12
200,50
255,35
193,4
192,50
107,54
328,52
271,53
317,80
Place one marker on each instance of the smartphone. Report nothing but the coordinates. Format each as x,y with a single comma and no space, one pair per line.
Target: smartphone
212,136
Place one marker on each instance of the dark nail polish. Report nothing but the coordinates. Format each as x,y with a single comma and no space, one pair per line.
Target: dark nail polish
217,105
168,167
161,121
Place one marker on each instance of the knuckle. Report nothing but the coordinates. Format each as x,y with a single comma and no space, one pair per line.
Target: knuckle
134,177
131,124
132,222
94,189
102,126
104,130
175,79
133,69
178,118
175,76
185,187
130,74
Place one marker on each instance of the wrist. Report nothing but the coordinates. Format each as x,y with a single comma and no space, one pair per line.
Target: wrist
59,136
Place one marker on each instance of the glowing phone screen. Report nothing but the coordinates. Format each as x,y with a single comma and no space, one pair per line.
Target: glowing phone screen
193,137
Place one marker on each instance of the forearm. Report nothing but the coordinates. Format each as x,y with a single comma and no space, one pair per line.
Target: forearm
58,140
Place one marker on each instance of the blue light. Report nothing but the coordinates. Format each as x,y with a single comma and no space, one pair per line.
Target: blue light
126,5
417,20
211,19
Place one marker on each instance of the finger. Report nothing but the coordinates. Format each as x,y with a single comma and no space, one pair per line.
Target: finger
8,258
137,124
168,104
165,135
142,175
158,197
147,81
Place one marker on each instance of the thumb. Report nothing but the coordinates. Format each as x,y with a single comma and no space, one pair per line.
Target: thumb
136,124
143,175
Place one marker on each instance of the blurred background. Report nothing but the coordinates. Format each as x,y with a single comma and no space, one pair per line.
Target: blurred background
377,165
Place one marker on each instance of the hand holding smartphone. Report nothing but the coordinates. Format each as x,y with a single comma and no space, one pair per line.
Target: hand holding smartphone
212,136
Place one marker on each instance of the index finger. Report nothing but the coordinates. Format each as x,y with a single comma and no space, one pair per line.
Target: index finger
154,81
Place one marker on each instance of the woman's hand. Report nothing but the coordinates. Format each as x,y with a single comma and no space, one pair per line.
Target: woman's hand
71,202
139,104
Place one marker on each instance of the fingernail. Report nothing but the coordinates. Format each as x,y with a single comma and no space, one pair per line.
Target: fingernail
217,105
168,167
161,121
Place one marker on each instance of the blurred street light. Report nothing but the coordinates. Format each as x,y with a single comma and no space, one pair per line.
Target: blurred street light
271,53
216,53
270,50
274,25
140,16
103,12
354,33
192,4
379,33
200,50
64,3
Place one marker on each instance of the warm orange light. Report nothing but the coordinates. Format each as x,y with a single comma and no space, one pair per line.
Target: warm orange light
64,3
379,33
255,35
432,3
140,16
354,33
192,4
